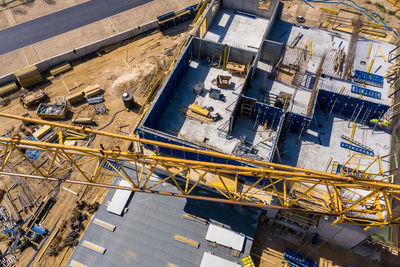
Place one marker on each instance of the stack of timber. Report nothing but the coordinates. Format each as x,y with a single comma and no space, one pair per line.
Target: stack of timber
8,88
28,76
60,69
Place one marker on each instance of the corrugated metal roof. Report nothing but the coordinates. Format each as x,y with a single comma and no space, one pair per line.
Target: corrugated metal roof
144,236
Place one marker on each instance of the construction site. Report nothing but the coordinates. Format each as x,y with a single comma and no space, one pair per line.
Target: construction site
219,133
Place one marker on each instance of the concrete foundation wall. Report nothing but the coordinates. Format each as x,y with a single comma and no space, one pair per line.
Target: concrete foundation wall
209,15
7,78
250,6
271,51
207,47
87,49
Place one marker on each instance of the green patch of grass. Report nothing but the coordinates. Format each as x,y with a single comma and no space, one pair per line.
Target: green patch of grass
392,13
368,2
380,6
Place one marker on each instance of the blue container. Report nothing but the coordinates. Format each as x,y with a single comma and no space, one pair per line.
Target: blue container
39,229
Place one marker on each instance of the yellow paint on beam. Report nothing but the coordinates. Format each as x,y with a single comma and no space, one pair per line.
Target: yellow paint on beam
187,241
93,247
104,224
328,10
342,89
383,56
225,59
310,48
148,41
221,186
353,131
370,65
75,263
369,49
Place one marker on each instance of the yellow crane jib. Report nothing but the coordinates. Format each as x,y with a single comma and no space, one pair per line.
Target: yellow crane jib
270,185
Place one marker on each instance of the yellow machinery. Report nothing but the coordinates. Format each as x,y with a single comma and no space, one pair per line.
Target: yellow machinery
199,110
361,194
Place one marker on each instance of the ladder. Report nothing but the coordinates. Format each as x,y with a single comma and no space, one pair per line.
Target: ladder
222,128
366,116
351,140
246,110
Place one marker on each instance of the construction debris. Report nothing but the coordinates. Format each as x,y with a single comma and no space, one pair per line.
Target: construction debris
33,98
47,111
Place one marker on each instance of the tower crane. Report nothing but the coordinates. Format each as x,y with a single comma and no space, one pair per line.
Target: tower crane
361,194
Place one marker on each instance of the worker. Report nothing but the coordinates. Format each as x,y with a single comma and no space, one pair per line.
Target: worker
155,153
384,124
285,264
21,101
374,121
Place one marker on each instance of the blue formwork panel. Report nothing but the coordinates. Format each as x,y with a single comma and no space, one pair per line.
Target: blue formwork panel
111,165
357,148
368,78
166,15
172,19
167,92
297,123
194,156
263,112
346,105
297,259
366,92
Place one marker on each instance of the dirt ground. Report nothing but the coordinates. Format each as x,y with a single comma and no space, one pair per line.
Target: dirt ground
128,68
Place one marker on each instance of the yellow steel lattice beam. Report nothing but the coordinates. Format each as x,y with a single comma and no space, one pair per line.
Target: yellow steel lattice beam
265,181
353,198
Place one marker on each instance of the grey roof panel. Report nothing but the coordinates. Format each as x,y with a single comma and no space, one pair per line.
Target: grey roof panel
144,236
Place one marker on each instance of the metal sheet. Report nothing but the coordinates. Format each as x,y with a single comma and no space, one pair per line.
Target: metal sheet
225,237
212,260
119,199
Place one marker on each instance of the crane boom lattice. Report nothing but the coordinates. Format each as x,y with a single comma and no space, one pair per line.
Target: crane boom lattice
357,194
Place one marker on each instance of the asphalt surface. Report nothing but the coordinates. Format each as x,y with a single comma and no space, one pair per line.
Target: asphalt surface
65,20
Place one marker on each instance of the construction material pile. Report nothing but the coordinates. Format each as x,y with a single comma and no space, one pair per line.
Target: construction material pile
73,227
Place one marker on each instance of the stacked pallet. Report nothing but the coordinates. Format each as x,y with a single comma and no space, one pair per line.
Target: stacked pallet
28,76
92,90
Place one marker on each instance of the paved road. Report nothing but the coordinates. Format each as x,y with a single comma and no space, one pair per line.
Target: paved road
42,28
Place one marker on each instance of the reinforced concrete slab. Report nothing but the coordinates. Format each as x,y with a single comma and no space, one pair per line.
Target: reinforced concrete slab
321,40
173,119
266,91
237,30
318,144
